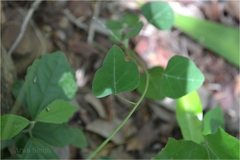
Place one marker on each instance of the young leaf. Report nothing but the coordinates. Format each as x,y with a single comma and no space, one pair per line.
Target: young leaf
114,25
58,135
160,14
189,117
11,125
49,78
182,149
212,120
223,145
37,149
134,31
58,111
78,138
154,88
115,75
129,20
180,77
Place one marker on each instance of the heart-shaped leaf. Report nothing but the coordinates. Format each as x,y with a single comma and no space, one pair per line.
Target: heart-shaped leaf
154,88
180,77
134,31
116,75
160,14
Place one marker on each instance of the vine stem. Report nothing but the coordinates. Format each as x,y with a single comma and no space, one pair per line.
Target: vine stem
132,111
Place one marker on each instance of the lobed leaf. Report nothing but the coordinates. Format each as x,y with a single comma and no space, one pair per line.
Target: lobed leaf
154,88
78,138
160,14
180,77
58,111
11,125
116,75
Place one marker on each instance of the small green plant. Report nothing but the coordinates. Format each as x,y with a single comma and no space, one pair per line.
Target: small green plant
202,135
49,86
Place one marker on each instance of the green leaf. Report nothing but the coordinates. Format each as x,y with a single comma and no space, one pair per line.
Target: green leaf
115,75
134,31
117,37
221,39
189,117
223,145
114,25
37,149
160,14
58,111
11,125
154,88
182,150
49,78
212,120
180,77
58,135
78,138
129,20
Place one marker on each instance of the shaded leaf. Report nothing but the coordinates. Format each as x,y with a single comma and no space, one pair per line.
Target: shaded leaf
129,20
189,117
58,111
115,75
114,25
58,135
182,149
11,125
78,138
154,87
212,120
47,79
37,149
223,145
134,31
160,14
180,77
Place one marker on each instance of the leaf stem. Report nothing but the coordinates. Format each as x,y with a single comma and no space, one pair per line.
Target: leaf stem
130,102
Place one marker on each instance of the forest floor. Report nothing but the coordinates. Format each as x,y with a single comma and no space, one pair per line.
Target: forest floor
68,26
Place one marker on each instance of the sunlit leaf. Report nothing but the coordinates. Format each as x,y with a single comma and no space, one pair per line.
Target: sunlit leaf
48,79
160,14
180,77
189,116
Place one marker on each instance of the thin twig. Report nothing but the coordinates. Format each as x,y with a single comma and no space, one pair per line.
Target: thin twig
91,30
74,20
24,26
